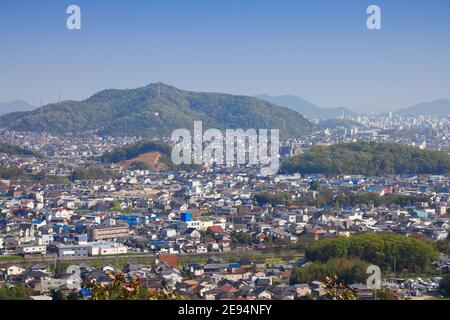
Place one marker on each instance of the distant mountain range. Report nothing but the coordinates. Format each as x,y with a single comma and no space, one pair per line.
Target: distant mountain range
155,111
438,108
158,109
306,108
15,106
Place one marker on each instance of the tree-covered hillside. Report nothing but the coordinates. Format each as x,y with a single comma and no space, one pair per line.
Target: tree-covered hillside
155,111
134,150
368,159
15,150
387,250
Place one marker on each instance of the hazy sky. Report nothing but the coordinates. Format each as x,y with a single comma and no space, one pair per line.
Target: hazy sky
317,49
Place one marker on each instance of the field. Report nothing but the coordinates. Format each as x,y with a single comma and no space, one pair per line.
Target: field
11,259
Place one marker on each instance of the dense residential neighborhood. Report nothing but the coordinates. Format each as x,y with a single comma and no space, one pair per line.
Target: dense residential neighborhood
215,233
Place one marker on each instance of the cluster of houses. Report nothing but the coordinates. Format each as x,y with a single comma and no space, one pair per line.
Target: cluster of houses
213,280
205,212
185,213
209,212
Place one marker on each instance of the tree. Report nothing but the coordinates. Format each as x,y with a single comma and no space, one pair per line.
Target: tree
314,186
11,173
273,199
92,173
17,292
348,270
269,241
139,165
443,246
388,250
144,294
386,294
59,268
121,289
56,294
73,296
444,286
15,150
114,205
336,290
241,237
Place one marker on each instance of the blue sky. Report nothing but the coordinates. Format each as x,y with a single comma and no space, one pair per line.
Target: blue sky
320,50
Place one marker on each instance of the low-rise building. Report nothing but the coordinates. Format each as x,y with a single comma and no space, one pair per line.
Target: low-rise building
108,232
31,249
105,248
63,250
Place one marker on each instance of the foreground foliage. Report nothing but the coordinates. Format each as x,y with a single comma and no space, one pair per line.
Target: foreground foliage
122,289
336,290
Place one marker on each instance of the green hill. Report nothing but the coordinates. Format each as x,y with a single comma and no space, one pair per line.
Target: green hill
17,151
134,150
133,154
368,159
155,111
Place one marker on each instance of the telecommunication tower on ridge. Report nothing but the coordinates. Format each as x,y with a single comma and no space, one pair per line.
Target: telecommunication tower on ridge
158,90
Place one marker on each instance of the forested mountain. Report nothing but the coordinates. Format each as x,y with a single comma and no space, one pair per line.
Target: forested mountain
155,111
